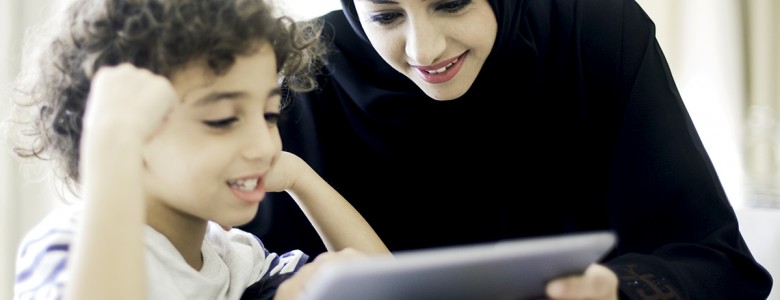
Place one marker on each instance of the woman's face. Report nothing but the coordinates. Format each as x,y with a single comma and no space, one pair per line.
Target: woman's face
441,45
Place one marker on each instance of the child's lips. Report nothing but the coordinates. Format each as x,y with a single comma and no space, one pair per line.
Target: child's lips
250,190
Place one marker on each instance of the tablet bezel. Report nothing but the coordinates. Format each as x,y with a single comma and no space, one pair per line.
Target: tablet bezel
509,269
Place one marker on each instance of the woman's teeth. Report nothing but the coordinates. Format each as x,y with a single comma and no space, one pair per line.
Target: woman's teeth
244,184
442,69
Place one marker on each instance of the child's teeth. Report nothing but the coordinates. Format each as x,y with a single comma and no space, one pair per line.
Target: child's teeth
244,185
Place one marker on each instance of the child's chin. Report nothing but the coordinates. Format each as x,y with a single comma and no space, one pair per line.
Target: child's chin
241,220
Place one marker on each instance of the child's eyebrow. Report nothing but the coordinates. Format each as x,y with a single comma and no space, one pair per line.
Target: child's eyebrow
219,96
380,1
275,92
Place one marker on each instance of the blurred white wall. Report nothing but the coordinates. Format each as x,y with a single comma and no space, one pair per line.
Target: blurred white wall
7,177
24,195
702,40
308,9
709,56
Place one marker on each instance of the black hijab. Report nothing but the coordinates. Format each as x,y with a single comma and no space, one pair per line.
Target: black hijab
508,16
393,108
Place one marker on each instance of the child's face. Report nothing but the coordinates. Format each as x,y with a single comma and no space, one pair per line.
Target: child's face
209,159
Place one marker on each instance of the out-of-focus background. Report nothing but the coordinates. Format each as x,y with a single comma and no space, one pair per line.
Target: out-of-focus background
725,55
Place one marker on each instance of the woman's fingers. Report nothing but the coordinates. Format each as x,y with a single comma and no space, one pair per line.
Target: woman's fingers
598,282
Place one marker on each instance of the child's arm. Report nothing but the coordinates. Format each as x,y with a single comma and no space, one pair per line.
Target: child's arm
338,223
125,107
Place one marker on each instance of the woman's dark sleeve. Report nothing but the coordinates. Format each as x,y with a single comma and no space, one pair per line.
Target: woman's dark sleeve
679,235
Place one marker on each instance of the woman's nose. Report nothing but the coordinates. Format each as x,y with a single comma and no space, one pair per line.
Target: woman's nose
425,42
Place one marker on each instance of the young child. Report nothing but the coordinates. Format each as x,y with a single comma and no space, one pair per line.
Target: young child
162,114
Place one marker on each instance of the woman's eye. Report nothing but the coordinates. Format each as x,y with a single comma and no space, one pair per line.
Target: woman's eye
272,117
454,6
385,18
221,123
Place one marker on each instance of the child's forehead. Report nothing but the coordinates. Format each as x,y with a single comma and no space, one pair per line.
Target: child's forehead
251,75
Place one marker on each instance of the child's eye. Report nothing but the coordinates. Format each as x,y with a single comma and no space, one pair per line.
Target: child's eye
454,6
221,123
272,117
385,18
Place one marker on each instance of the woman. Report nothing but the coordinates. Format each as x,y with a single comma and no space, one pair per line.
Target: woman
462,121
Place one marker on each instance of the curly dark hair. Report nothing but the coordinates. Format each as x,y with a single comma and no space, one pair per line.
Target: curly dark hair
159,35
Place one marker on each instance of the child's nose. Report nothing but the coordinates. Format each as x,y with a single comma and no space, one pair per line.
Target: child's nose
260,144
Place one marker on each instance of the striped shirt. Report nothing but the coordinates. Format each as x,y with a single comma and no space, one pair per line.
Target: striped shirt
232,261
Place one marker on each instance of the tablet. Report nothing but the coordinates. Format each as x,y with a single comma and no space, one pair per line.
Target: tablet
509,269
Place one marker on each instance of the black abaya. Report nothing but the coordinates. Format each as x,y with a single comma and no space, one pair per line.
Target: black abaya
574,124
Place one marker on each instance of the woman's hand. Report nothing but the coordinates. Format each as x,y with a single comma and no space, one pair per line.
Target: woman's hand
598,282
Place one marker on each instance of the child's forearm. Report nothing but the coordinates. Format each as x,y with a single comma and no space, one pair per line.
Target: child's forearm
336,221
107,260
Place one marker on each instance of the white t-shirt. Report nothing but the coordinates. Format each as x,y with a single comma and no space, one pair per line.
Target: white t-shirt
232,260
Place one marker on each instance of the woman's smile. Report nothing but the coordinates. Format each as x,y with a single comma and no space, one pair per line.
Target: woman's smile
441,72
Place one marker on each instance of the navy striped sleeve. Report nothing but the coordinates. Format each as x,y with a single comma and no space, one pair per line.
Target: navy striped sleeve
282,267
41,260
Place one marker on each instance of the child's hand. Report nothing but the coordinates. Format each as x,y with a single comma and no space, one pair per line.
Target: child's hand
295,286
128,99
284,172
282,175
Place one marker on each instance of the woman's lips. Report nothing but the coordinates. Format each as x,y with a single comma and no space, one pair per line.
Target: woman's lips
442,72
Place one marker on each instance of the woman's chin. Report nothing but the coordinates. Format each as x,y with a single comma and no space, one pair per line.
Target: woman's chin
442,96
442,91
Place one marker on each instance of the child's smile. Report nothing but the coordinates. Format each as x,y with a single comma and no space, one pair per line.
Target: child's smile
250,190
